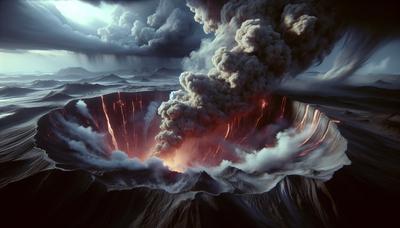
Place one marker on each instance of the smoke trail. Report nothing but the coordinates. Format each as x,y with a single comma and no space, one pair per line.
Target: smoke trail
150,114
262,40
83,109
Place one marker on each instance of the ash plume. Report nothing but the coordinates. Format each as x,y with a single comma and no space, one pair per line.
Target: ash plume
263,40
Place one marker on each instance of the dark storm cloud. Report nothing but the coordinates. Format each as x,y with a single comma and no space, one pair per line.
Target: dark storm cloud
30,26
375,16
369,25
168,32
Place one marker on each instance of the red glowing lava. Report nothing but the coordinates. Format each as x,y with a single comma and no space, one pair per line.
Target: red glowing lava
123,121
110,129
127,131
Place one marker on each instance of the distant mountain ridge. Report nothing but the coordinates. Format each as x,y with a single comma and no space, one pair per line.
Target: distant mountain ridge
72,70
74,73
15,91
110,78
78,88
163,71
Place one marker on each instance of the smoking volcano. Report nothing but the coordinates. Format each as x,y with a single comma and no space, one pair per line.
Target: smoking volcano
229,148
256,42
113,137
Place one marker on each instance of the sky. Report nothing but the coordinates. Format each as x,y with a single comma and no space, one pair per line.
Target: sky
45,36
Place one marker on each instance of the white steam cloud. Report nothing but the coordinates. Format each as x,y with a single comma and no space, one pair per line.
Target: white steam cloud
316,151
83,109
150,114
89,147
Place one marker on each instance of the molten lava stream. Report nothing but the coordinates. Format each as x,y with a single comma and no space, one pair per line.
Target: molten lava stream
123,116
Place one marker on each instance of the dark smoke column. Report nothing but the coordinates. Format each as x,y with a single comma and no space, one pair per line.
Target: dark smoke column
263,40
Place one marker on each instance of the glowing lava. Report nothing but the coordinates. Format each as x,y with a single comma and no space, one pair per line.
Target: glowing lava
109,127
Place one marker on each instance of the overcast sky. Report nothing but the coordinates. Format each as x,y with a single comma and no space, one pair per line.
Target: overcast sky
47,35
44,36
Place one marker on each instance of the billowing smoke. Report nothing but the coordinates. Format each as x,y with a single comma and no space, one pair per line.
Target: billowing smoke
168,32
255,42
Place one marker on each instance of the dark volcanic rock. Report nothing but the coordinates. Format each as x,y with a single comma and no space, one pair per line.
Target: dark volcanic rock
45,83
84,88
57,198
204,182
110,78
56,96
